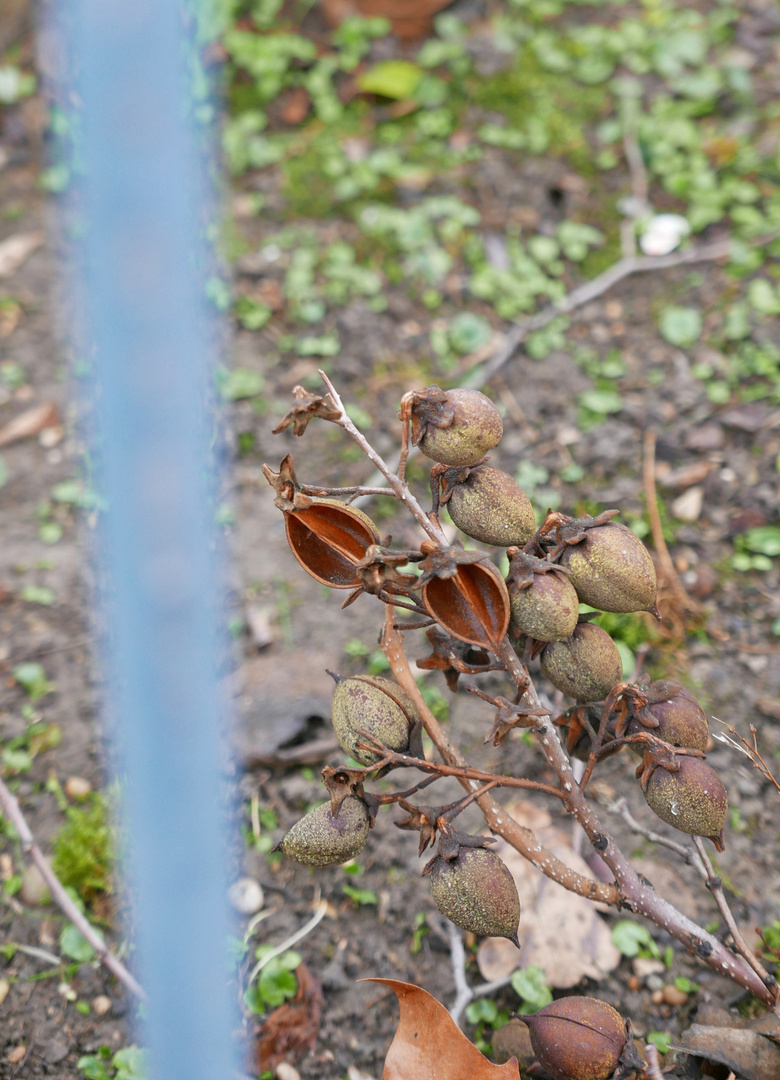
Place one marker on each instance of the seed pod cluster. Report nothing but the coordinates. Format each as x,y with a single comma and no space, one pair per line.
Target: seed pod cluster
320,839
489,506
544,603
374,705
581,1038
611,569
476,892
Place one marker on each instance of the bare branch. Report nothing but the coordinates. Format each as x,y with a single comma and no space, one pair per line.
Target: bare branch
63,901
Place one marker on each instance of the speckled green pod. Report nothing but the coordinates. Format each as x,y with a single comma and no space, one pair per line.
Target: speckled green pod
377,706
578,1038
475,429
319,839
586,667
547,610
477,893
681,719
611,569
693,799
491,507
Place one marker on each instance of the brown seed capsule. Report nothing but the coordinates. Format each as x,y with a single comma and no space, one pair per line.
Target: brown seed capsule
692,799
544,603
611,569
586,667
678,717
490,507
374,705
328,539
578,1038
455,427
477,893
319,839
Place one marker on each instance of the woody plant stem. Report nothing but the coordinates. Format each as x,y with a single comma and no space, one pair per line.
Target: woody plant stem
629,890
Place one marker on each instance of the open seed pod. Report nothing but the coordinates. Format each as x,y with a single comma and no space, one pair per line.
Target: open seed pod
454,427
611,569
544,603
472,604
320,839
692,799
585,667
581,1038
489,506
477,893
374,705
328,539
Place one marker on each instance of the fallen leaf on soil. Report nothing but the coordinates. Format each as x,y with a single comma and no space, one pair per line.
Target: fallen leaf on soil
559,931
294,1026
30,422
16,250
429,1045
749,1054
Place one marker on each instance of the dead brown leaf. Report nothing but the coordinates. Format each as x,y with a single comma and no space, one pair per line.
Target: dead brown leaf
30,422
17,249
429,1045
749,1054
292,1029
560,931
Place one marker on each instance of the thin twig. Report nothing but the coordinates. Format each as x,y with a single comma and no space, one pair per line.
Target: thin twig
583,294
462,772
670,576
458,961
38,954
61,898
619,806
653,1068
293,939
715,885
738,742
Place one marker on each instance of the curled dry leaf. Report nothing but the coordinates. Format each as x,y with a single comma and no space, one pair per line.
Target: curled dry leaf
429,1044
307,406
748,1054
30,422
294,1026
472,604
560,931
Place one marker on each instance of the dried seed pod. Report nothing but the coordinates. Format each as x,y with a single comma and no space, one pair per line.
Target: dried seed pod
328,539
692,799
472,604
454,427
611,569
580,1038
477,893
674,715
544,603
489,506
586,667
374,705
320,839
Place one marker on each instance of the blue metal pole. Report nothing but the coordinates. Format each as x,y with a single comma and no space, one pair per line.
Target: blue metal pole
143,289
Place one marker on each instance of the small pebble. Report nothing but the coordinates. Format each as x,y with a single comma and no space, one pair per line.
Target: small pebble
17,1054
5,986
634,983
76,787
657,997
34,890
246,896
674,996
654,982
101,1005
285,1071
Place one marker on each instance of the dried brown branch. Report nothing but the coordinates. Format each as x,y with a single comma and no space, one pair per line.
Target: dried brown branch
715,885
11,810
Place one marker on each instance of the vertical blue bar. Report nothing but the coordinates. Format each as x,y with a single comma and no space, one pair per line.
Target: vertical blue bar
143,289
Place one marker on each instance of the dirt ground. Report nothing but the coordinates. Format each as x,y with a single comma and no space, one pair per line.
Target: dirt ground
288,631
